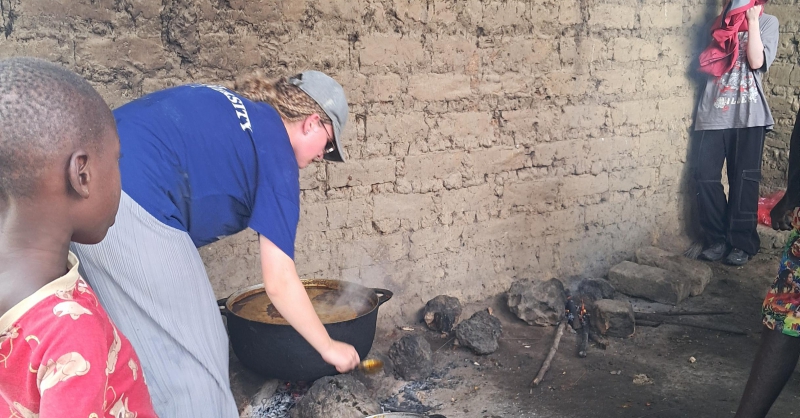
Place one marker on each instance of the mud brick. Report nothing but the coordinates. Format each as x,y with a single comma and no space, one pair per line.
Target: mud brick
613,318
697,272
431,87
648,282
612,16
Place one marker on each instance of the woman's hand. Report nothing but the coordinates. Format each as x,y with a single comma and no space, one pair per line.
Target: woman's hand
291,299
341,355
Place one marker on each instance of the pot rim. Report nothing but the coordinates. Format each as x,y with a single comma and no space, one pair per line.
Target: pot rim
371,293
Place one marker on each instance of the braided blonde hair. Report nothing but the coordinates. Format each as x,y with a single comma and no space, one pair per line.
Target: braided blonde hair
291,103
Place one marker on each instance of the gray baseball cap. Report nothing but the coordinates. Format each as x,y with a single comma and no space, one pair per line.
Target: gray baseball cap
329,95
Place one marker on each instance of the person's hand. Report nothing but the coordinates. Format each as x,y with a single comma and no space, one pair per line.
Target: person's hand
781,218
781,215
753,13
342,356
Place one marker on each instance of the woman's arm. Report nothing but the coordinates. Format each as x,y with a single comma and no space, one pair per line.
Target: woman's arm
755,47
287,293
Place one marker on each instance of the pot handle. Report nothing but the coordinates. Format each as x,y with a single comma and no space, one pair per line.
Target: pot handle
383,295
223,309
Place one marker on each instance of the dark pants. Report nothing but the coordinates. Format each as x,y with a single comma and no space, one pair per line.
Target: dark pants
732,220
793,183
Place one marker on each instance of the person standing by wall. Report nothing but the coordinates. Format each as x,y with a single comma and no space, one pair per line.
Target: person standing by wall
732,119
201,162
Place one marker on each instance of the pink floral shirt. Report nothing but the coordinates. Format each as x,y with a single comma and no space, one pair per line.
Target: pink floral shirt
61,356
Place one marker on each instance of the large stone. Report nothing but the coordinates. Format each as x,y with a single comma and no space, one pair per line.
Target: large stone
771,239
339,396
480,332
412,357
442,313
648,282
585,292
537,302
613,318
697,272
590,290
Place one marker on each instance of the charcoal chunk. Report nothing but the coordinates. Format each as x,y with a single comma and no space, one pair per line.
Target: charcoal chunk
412,357
480,332
339,396
442,313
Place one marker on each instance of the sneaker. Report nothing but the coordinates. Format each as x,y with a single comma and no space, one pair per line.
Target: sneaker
715,252
737,257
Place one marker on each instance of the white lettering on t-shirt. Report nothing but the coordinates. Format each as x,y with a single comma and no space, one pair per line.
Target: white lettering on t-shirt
238,106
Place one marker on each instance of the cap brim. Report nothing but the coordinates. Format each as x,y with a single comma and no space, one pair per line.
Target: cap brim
334,156
337,154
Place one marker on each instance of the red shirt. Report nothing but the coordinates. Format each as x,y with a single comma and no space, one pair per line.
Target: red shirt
61,356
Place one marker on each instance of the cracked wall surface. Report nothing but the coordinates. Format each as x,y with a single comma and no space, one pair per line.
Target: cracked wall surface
488,140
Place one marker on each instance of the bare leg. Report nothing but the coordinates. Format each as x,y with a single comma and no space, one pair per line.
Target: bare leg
775,361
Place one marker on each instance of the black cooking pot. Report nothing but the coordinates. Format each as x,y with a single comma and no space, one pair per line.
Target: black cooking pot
279,351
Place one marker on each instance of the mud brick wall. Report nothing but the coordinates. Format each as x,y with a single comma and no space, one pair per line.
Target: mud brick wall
783,85
489,140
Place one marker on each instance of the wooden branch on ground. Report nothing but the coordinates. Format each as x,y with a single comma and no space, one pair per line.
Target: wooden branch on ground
710,327
602,342
646,323
584,342
551,354
654,320
679,313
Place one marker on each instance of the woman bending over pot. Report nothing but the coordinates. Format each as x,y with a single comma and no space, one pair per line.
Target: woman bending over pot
201,162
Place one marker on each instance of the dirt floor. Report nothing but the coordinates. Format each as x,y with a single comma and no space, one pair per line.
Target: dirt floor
602,384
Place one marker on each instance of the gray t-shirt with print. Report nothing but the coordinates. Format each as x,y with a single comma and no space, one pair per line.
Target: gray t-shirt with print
736,99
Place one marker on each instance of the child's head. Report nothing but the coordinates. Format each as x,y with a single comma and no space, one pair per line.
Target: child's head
59,148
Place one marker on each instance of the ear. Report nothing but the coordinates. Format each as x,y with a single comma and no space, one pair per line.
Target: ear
310,124
79,173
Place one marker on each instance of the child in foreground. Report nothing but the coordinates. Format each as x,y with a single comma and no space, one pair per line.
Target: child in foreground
60,354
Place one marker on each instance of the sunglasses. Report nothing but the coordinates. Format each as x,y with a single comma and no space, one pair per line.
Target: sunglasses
330,146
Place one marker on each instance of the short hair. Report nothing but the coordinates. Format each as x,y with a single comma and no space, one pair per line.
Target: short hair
46,112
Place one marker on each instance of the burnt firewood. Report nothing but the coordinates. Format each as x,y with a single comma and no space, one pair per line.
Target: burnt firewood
599,340
584,341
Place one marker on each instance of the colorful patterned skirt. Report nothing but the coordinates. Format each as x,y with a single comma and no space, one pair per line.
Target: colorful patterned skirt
781,307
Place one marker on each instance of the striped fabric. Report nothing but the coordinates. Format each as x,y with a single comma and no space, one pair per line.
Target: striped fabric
151,280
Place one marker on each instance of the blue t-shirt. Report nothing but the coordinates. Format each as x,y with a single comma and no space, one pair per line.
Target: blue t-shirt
207,161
